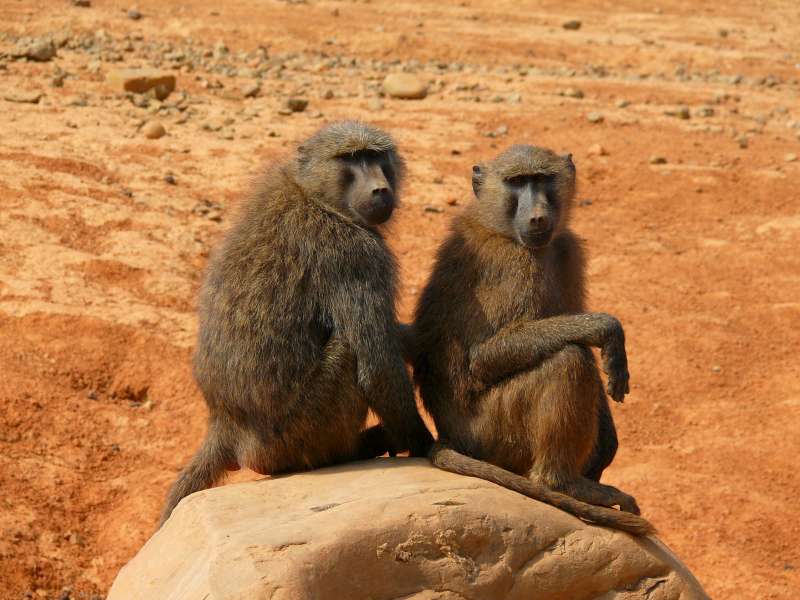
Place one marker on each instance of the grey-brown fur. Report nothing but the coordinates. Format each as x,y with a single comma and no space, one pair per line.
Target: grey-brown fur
500,345
298,334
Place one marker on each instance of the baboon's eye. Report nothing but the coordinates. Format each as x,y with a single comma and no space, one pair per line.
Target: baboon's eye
348,177
512,204
388,172
517,180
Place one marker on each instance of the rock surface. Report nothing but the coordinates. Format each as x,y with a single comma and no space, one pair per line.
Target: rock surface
391,528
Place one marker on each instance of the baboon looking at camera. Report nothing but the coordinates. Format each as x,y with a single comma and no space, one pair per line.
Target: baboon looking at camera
298,334
500,345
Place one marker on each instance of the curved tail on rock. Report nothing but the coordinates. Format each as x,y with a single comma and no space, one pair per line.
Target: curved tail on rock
205,468
448,459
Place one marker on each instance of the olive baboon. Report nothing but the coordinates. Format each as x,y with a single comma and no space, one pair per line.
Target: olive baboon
298,334
500,345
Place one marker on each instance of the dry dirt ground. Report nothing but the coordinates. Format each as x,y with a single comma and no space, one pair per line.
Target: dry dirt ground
101,255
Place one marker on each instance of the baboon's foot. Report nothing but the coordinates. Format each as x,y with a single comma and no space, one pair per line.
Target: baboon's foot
600,494
373,442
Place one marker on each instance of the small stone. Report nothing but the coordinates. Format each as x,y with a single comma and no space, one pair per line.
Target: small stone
594,117
742,141
140,81
622,103
433,209
452,201
154,130
791,157
284,111
327,95
170,179
682,112
375,104
58,80
723,33
572,24
23,97
251,90
572,93
297,105
704,111
597,150
134,14
38,50
82,3
438,180
405,86
716,369
585,203
658,160
92,395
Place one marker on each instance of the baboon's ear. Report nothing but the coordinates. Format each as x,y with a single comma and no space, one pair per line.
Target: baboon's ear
477,178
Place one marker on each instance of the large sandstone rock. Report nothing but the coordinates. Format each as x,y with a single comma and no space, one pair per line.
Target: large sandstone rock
391,528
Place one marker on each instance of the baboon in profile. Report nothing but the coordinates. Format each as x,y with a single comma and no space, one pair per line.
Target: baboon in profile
298,333
500,345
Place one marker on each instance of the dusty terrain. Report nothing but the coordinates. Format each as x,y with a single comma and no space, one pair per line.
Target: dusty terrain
104,234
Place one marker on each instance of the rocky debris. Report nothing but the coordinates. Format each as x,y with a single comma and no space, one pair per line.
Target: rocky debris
39,50
297,105
251,89
23,97
140,81
209,209
790,157
597,150
154,130
622,103
405,86
392,528
499,132
82,3
704,112
572,25
681,112
572,93
657,160
594,117
134,14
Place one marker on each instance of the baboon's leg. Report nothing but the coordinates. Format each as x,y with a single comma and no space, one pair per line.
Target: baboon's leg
605,447
206,467
565,427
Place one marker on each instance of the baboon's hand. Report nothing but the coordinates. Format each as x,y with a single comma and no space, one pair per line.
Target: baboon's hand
615,362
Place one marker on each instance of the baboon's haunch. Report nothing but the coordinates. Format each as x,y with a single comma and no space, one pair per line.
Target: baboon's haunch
298,334
501,345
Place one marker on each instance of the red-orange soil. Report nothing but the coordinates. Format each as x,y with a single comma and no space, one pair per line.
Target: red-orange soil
100,257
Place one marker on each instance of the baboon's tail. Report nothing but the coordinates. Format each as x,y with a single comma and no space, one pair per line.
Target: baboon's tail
205,468
449,460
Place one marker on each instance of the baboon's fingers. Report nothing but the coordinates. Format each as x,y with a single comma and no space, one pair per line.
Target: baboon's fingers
628,504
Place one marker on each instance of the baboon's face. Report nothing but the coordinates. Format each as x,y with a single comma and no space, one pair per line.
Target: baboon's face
368,184
525,194
532,206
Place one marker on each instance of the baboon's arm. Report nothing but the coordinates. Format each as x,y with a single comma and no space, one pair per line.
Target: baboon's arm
522,345
363,314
